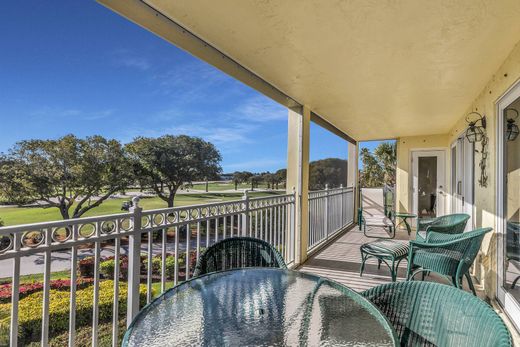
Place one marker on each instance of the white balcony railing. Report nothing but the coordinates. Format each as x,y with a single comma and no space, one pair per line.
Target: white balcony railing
179,231
330,211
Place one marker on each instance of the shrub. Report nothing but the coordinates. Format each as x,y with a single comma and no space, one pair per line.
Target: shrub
30,310
86,267
107,267
157,265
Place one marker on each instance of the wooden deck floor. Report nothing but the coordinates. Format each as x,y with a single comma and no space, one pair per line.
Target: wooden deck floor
341,260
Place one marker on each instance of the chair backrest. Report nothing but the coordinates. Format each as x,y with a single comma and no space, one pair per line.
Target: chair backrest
450,224
428,313
238,252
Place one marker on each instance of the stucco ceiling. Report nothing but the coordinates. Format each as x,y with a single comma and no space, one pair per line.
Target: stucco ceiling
373,68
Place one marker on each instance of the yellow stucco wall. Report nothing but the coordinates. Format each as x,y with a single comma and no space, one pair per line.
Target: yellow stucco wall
405,146
485,197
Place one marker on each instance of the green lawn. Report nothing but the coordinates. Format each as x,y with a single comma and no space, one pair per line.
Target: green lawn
212,187
25,215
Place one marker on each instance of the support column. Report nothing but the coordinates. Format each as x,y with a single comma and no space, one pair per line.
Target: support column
298,140
353,175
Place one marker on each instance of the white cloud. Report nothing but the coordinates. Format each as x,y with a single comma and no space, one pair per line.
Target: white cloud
256,165
126,58
58,112
222,136
261,109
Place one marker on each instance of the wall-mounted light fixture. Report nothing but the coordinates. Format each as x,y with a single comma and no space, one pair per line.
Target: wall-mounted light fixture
512,129
475,133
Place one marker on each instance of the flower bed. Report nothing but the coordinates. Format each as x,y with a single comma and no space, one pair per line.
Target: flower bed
29,288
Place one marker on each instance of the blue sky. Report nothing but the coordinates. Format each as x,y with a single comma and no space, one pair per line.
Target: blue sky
76,67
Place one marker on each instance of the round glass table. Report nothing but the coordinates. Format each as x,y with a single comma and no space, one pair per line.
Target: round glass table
260,307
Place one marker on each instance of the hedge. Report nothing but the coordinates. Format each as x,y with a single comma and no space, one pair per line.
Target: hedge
30,310
29,288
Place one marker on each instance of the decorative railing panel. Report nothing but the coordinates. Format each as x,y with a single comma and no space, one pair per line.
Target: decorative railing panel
154,249
330,211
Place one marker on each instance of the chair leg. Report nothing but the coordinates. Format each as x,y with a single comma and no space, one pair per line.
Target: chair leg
363,259
514,282
423,275
378,264
454,281
470,283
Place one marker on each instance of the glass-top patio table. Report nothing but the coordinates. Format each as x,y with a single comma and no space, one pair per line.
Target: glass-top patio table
404,219
267,307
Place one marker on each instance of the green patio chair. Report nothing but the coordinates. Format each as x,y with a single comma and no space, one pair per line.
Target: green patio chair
433,314
238,252
449,255
449,224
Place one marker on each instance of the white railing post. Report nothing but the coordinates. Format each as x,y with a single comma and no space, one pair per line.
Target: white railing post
134,263
326,212
15,287
342,197
245,214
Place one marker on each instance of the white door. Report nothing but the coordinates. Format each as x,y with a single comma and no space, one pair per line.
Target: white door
462,178
428,193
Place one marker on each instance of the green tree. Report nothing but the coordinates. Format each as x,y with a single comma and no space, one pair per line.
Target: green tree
74,175
241,177
330,171
386,154
379,168
166,163
254,179
281,177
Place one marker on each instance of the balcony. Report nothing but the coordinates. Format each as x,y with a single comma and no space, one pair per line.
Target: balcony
145,243
413,71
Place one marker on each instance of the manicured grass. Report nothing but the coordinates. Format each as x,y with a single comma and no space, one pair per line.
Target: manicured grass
26,215
225,186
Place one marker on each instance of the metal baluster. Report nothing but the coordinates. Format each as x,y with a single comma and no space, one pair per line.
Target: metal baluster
216,229
262,224
187,260
284,230
225,225
163,260
115,313
176,268
46,289
134,262
149,268
256,224
15,290
232,225
198,239
207,233
95,301
73,283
